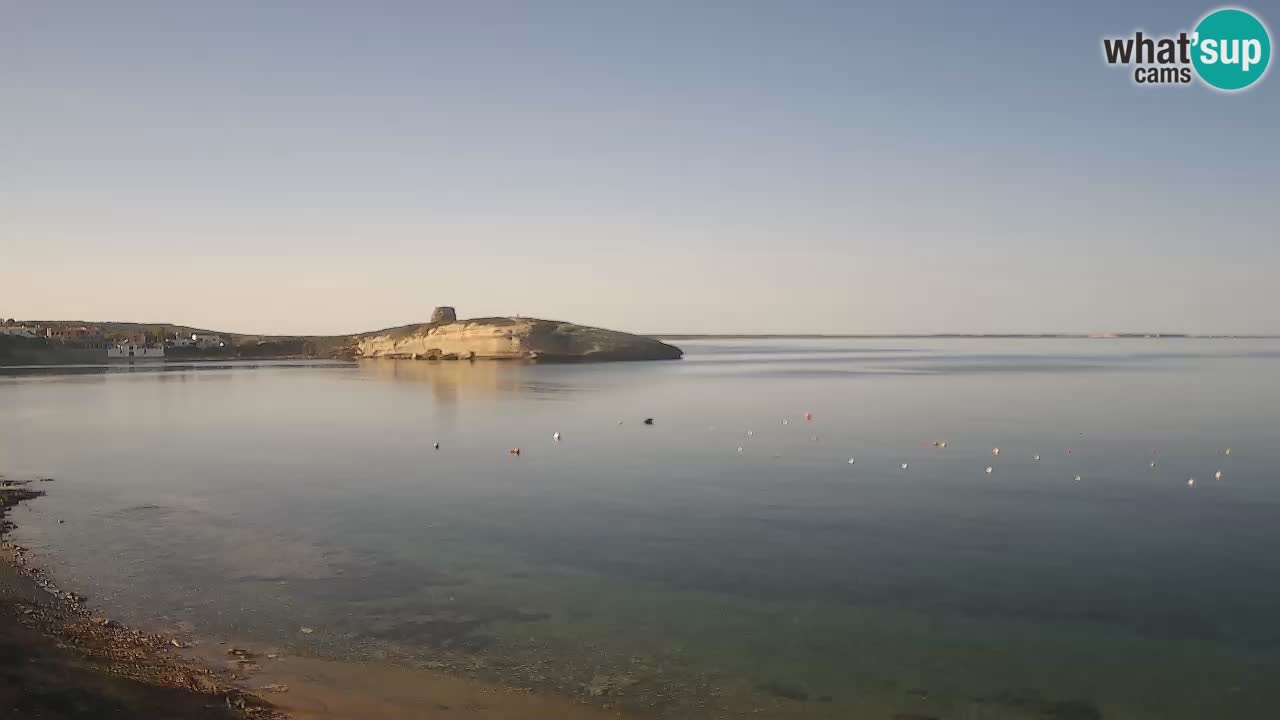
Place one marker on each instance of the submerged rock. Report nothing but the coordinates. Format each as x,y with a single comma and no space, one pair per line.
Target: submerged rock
784,690
1047,708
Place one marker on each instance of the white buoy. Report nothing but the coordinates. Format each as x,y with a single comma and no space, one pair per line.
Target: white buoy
749,433
1035,458
1191,482
1077,478
1217,475
555,436
786,421
1152,464
739,448
850,461
904,466
995,451
436,446
989,469
1227,451
619,422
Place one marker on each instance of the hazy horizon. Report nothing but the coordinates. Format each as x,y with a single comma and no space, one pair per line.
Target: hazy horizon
659,168
1049,334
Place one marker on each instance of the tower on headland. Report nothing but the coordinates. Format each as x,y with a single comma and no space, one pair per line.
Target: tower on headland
444,314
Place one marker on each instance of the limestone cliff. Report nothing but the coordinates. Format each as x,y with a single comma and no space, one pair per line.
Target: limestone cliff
510,338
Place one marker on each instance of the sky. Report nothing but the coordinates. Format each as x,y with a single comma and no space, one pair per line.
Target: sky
661,167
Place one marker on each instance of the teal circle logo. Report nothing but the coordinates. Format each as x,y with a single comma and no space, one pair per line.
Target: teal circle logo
1232,49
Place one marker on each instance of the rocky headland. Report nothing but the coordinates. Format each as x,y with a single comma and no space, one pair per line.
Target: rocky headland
505,338
445,337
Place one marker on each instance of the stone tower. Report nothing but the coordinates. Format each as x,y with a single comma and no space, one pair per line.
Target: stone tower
444,314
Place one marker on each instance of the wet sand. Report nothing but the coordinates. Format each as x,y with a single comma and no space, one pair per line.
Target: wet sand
329,690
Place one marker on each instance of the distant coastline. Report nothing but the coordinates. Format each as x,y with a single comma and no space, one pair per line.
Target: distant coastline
957,336
444,338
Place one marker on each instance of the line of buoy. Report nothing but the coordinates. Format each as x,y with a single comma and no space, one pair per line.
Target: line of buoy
995,451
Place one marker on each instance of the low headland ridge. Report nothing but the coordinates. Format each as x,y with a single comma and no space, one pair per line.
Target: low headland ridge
445,337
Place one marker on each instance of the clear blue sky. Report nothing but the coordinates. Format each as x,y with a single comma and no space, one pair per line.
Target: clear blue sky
650,166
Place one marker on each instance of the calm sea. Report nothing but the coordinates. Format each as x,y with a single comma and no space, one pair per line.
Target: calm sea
735,555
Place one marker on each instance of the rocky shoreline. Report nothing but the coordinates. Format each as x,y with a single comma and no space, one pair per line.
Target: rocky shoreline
506,338
445,337
61,661
58,660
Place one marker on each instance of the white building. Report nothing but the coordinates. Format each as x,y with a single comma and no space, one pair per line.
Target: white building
19,331
134,351
207,341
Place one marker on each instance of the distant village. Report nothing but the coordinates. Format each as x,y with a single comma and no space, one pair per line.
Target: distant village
28,342
123,345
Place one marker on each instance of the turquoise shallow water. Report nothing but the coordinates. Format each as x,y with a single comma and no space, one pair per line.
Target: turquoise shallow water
659,567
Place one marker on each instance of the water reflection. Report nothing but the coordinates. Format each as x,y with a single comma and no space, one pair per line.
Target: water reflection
160,368
656,565
453,381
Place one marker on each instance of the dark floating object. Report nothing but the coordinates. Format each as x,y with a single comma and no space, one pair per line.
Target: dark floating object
436,446
648,421
785,690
